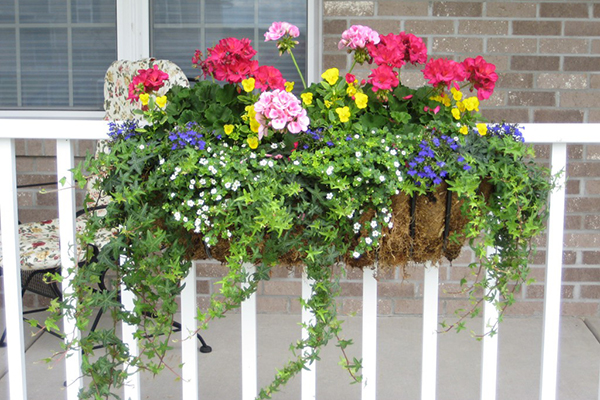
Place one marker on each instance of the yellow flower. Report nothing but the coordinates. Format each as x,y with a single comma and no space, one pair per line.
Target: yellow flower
289,86
456,113
344,113
307,98
351,91
482,129
445,100
252,142
361,100
161,101
248,84
254,125
331,75
228,129
457,94
464,129
461,106
144,97
328,103
472,103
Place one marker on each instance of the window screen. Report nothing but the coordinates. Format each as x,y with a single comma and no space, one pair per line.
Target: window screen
55,53
179,27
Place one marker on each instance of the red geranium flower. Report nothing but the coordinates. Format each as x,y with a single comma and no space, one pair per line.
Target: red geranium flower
415,50
443,72
481,75
230,60
383,77
389,51
268,78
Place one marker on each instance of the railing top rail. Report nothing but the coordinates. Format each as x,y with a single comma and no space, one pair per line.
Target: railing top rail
25,128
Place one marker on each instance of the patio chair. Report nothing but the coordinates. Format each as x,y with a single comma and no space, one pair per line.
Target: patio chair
39,241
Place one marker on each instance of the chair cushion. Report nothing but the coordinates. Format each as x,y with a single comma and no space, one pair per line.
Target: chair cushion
39,243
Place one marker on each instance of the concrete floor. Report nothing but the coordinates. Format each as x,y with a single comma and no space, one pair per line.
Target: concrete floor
399,359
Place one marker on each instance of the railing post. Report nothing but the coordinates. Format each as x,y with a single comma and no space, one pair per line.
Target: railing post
189,326
489,362
68,257
11,262
249,343
369,332
552,296
430,322
309,375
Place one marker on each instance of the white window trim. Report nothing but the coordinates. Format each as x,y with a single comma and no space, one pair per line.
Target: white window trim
133,43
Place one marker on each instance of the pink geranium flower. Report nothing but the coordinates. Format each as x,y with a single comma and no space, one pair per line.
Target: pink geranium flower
482,76
279,110
442,72
230,60
277,30
357,37
146,81
383,78
415,50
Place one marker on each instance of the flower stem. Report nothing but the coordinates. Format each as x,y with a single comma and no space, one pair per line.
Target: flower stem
352,67
297,68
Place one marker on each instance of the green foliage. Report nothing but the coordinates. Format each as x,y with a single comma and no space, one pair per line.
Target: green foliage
318,198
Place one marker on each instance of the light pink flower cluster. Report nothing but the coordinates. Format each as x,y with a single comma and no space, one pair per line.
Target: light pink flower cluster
279,109
357,37
277,30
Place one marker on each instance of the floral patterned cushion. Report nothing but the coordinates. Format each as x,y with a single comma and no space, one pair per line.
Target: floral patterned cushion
39,243
119,76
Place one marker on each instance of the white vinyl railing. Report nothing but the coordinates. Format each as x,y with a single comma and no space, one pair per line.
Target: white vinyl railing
65,131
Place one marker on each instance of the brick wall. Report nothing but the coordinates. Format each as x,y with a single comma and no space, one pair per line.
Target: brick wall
547,55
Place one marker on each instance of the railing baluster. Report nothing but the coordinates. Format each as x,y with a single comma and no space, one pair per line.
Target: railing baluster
489,362
369,332
11,264
189,325
132,383
430,323
308,376
552,295
68,256
249,352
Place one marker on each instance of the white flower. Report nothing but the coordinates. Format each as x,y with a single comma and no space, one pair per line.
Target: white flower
329,170
393,152
373,224
270,164
173,177
357,227
190,203
375,233
162,161
227,185
185,219
373,131
358,154
455,138
203,181
205,208
262,163
173,194
177,216
359,179
356,136
209,149
329,196
368,240
228,234
382,178
274,145
218,198
384,210
356,254
213,191
192,182
391,225
252,155
142,147
296,162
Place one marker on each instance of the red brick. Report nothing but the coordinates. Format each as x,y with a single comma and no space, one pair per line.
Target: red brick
590,291
515,80
592,187
575,151
592,222
581,274
531,99
564,46
536,28
334,26
583,204
583,169
510,9
582,28
585,64
348,8
573,186
579,308
525,308
383,26
457,45
480,27
579,240
437,27
593,152
512,45
282,288
457,9
573,222
562,81
535,63
395,289
537,291
564,10
272,304
403,8
560,116
516,115
591,258
577,99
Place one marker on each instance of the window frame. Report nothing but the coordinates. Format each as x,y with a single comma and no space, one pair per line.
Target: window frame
133,43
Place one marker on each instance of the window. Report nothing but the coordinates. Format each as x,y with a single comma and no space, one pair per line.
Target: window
55,53
178,27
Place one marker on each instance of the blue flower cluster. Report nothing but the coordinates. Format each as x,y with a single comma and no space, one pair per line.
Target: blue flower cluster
124,130
187,136
426,168
511,130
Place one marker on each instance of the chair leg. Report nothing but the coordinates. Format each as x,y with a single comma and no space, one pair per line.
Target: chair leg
204,348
